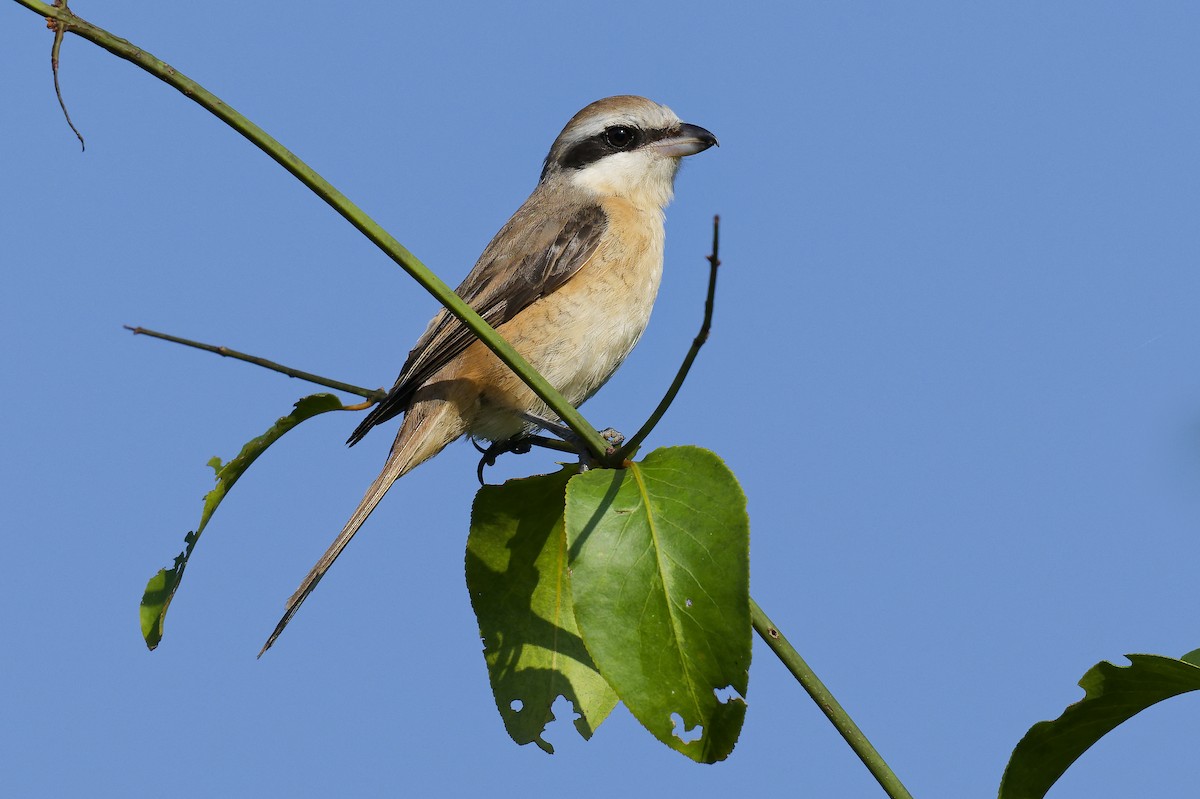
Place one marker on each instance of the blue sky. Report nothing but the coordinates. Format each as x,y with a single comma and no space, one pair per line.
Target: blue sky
954,364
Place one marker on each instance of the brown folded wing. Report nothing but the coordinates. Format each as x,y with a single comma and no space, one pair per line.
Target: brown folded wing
528,259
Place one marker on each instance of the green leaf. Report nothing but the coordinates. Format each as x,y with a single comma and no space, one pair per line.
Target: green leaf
517,577
660,573
163,585
1112,695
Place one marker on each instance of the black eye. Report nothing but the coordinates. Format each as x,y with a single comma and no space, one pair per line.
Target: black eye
620,137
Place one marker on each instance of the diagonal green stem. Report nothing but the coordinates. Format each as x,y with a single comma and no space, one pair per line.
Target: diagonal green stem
338,201
836,714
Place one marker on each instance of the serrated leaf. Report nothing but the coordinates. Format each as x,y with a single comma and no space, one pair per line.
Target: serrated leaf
660,574
517,577
163,585
1112,694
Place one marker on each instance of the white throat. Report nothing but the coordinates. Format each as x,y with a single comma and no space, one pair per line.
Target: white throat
644,178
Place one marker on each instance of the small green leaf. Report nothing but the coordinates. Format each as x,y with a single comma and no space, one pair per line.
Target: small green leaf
1112,695
660,573
163,585
517,577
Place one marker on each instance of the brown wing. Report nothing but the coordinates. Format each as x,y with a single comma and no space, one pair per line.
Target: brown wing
530,257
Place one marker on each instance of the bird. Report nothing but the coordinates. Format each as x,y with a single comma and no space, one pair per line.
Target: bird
569,281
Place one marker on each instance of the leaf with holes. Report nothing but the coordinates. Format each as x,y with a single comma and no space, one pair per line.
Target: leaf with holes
659,556
517,576
1112,695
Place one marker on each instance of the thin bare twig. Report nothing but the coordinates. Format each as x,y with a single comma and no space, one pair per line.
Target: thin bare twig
630,446
372,394
59,27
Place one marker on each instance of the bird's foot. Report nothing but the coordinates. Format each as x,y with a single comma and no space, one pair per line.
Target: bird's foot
517,444
567,441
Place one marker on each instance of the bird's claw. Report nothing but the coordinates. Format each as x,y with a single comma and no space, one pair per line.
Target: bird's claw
519,445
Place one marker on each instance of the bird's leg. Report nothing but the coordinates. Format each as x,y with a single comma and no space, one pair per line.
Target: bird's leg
557,428
567,441
518,445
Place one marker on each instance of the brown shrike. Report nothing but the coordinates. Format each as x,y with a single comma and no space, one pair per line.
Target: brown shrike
569,281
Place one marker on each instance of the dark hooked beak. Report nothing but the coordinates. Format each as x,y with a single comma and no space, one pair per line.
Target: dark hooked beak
689,140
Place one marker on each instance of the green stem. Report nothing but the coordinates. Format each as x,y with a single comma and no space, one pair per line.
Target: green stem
352,213
630,446
373,394
836,714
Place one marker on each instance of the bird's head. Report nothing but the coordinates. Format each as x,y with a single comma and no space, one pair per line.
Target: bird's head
624,146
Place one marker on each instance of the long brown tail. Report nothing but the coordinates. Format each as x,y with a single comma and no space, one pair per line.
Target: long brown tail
424,434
